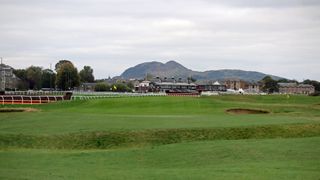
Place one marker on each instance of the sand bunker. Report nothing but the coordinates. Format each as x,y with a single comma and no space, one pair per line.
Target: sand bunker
246,111
8,110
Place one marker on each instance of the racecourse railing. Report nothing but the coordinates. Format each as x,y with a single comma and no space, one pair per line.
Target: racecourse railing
39,97
22,99
35,93
95,95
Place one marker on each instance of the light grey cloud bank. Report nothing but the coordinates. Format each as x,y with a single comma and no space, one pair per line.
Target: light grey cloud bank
280,37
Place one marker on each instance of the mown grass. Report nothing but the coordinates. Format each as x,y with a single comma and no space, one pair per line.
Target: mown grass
106,140
163,138
227,159
156,113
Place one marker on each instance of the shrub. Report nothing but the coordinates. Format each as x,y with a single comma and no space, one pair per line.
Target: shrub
315,94
101,87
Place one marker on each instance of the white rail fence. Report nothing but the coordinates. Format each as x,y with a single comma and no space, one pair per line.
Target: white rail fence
35,93
35,97
22,99
86,96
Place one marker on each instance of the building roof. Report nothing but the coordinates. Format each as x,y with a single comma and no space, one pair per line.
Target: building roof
3,66
287,84
216,83
176,84
306,85
89,84
208,82
233,79
295,85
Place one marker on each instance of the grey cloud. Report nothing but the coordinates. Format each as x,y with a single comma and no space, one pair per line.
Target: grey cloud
280,37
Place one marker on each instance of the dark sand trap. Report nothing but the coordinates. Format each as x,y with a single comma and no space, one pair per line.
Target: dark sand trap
246,111
8,110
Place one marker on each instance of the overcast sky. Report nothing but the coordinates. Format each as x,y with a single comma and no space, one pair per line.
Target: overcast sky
279,37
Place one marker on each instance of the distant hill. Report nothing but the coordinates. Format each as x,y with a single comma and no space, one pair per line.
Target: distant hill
174,69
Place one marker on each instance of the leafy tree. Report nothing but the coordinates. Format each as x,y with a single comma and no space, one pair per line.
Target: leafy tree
287,81
33,75
67,76
269,85
86,74
48,79
121,87
60,63
22,75
130,85
102,87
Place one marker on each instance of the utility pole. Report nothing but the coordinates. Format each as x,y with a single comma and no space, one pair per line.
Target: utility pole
3,74
50,77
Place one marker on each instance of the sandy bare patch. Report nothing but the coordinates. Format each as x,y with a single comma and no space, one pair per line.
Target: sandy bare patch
246,111
8,110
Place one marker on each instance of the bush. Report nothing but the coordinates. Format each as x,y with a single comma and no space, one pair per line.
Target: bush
101,87
120,87
315,94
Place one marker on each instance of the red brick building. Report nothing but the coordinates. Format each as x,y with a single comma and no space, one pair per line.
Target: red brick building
236,84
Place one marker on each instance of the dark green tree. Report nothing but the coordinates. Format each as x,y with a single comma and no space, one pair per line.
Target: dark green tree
130,85
67,76
269,85
86,74
102,87
33,75
287,81
22,75
60,63
120,87
48,79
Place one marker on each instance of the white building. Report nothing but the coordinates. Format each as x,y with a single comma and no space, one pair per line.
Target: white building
8,80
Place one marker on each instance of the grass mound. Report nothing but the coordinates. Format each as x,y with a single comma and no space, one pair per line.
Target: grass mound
106,140
247,111
163,138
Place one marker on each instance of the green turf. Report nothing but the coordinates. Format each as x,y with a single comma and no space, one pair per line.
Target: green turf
232,159
159,113
163,138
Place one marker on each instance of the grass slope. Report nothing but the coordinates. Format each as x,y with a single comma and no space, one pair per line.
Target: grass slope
106,140
227,159
163,138
159,113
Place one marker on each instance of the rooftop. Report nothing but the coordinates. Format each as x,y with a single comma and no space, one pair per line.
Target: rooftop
294,85
177,84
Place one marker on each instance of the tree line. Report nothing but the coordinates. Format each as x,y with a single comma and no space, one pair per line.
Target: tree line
65,77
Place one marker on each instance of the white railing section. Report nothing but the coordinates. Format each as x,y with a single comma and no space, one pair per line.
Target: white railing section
35,93
86,96
11,99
